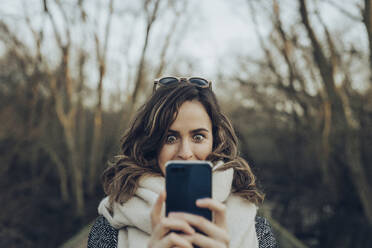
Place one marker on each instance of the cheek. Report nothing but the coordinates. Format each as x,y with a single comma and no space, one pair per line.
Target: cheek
202,151
166,153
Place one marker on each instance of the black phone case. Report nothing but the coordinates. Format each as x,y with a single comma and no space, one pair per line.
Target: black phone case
187,181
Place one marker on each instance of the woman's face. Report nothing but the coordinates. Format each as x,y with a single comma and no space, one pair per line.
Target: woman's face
189,137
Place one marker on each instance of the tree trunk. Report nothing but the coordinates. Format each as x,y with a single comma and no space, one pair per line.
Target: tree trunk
76,169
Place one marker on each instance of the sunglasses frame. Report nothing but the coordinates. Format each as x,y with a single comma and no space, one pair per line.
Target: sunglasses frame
182,79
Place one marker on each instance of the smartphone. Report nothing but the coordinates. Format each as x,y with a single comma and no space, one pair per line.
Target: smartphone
187,181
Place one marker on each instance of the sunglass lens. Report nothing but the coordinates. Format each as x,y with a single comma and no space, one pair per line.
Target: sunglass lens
199,81
168,80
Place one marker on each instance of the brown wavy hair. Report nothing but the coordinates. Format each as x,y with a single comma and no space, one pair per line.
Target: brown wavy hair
146,134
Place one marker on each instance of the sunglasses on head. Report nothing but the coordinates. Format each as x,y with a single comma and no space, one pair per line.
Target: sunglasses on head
197,81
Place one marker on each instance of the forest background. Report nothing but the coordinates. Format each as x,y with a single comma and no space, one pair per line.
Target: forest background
295,77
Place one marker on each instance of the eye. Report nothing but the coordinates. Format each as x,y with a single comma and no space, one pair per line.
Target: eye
171,139
199,138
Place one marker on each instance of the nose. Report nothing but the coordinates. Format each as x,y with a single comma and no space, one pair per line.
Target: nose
185,151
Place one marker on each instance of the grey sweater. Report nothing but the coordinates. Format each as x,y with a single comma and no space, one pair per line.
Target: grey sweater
103,235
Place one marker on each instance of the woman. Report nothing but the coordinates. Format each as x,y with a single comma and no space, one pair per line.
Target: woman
181,121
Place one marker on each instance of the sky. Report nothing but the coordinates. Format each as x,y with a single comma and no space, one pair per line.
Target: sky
222,30
218,31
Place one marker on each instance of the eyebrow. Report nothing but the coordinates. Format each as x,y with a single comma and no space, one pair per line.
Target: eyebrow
192,131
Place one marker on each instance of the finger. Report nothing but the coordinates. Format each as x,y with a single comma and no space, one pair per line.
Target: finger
156,210
173,239
167,224
204,225
204,241
218,209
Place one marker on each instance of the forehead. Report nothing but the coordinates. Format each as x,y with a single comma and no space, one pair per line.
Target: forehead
191,115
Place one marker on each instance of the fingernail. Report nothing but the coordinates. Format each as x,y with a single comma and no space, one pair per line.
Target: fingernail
200,201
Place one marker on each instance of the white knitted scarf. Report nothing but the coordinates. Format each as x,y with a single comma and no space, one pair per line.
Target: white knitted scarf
133,217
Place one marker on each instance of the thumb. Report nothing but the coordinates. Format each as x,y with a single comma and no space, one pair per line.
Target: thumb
156,210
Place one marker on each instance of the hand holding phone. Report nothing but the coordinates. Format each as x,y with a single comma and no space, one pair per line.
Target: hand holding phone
187,181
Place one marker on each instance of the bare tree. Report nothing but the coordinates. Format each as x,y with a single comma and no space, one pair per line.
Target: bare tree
305,80
63,90
101,53
341,111
151,8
